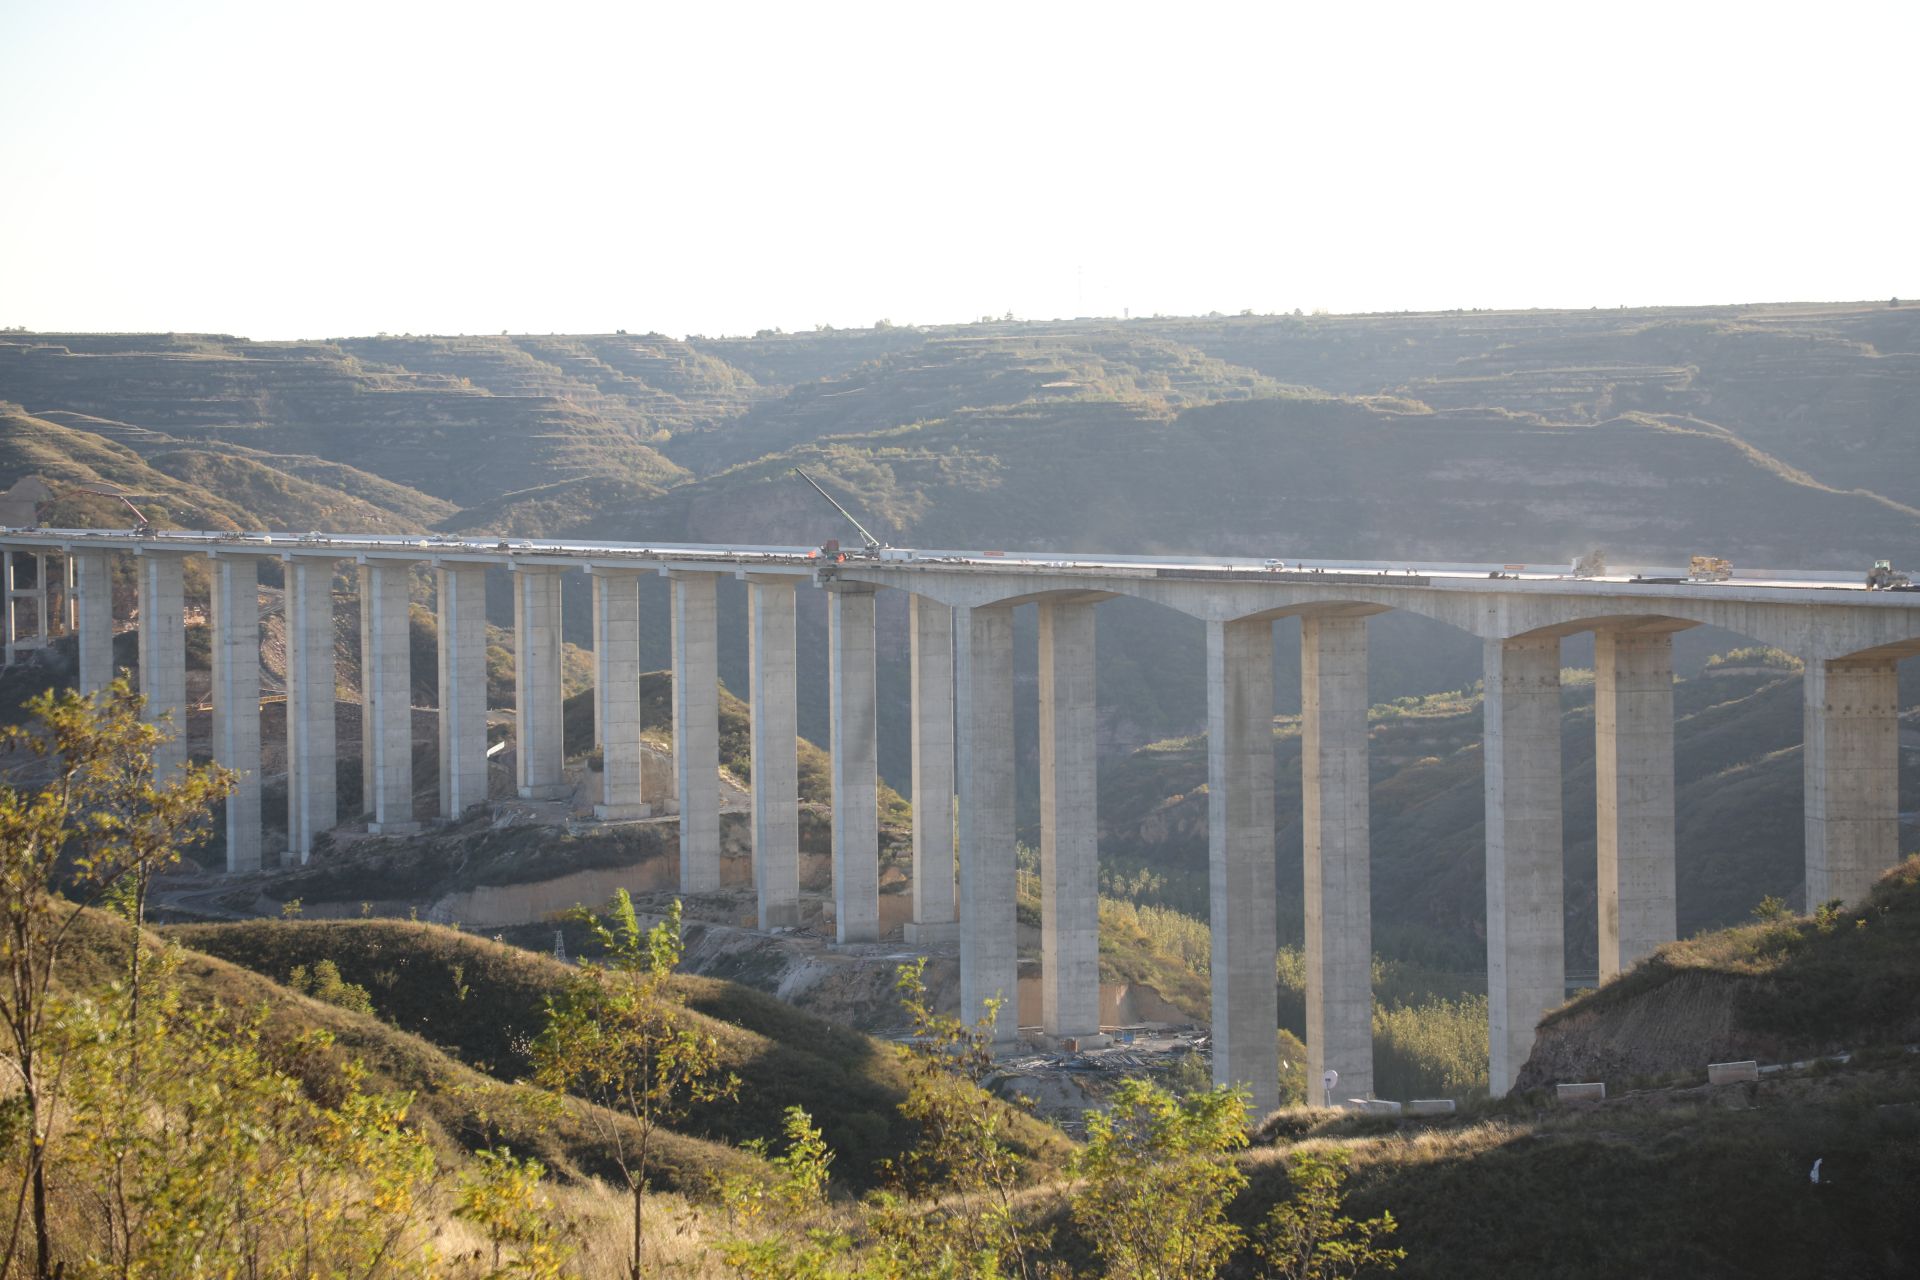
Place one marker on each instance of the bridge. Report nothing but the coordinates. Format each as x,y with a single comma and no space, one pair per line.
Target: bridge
961,650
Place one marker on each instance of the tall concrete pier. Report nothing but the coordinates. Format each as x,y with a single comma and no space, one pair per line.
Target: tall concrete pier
930,662
616,691
1633,770
386,682
856,778
93,618
163,651
1526,948
696,729
236,700
1069,824
1240,870
983,680
965,768
1334,798
1853,775
461,592
538,692
312,777
771,627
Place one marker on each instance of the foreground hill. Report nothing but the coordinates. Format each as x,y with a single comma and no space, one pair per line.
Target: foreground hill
1775,990
482,1001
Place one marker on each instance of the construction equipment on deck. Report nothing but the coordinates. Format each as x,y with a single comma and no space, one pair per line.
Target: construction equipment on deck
1709,569
1884,577
870,545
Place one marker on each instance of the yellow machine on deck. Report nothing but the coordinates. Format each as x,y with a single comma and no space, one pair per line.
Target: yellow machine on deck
1709,569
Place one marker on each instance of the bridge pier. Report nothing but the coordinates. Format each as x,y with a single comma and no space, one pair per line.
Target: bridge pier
1335,828
1069,823
163,652
771,659
538,691
236,700
312,776
1240,858
1526,944
616,691
92,600
1852,763
1633,771
856,800
386,691
460,592
930,643
696,728
983,679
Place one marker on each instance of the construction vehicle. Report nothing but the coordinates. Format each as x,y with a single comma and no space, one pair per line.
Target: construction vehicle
1709,569
871,548
1884,577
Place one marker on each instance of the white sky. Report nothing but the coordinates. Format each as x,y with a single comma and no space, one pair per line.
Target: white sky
284,169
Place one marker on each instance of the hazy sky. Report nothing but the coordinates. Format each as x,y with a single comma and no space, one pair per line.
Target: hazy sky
283,170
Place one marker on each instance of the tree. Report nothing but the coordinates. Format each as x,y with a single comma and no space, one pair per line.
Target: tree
963,1157
216,1160
501,1195
1159,1180
1310,1237
775,1239
620,1035
93,832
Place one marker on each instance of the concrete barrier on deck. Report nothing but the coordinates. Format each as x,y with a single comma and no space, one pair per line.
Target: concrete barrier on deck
1732,1072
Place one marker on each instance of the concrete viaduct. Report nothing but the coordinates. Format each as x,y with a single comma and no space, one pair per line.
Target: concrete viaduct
963,757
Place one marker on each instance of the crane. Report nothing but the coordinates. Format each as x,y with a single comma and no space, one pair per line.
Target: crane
867,540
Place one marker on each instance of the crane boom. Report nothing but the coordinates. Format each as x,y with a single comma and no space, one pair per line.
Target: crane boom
867,539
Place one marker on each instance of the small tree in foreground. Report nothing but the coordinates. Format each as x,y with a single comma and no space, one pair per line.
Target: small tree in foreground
776,1222
1310,1237
1159,1180
620,1036
963,1165
97,827
501,1195
216,1160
